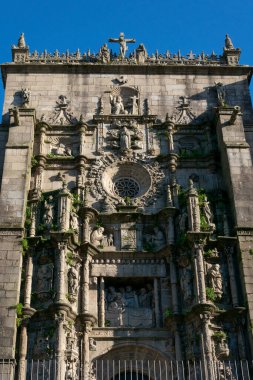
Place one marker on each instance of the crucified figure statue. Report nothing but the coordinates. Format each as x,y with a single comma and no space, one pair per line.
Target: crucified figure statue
123,43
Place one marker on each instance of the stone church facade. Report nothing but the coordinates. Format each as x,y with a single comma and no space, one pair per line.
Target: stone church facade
126,219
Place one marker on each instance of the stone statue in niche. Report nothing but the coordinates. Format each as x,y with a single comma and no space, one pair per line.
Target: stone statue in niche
129,307
41,347
182,220
48,212
221,93
110,240
72,284
44,278
215,280
97,236
117,106
100,240
155,240
26,96
125,139
186,283
92,344
62,150
208,215
74,224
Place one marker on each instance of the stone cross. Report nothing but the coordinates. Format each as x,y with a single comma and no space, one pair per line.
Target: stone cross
123,43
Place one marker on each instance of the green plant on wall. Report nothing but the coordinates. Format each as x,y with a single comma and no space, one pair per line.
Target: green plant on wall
167,313
25,246
219,335
28,215
76,201
19,312
210,294
34,162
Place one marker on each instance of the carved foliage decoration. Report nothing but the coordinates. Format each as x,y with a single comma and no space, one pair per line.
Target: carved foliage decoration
62,114
184,114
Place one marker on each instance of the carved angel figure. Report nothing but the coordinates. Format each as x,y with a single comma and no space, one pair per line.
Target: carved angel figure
117,105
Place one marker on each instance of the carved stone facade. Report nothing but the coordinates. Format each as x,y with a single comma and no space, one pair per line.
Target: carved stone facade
131,195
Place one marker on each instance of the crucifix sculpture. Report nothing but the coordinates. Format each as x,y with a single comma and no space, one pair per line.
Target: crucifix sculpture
123,43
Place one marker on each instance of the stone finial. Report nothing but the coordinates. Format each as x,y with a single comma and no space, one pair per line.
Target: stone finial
228,43
21,41
231,55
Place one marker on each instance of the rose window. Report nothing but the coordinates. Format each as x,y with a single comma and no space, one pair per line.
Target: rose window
126,187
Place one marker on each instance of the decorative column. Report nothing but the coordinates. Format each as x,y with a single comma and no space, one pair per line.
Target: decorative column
200,274
85,282
88,215
101,303
33,203
193,208
229,250
22,350
139,235
60,346
206,343
86,350
39,177
64,208
80,182
28,279
42,126
60,276
174,290
157,308
170,230
178,346
32,231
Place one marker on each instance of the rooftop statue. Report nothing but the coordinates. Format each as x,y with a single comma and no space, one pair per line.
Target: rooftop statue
21,41
138,56
228,43
123,43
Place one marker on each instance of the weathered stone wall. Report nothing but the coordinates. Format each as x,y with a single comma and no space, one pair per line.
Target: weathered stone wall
161,86
14,190
58,266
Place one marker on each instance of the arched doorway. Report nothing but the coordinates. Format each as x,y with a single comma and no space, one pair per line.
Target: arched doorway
132,362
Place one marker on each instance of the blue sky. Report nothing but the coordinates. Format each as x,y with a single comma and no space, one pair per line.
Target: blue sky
159,24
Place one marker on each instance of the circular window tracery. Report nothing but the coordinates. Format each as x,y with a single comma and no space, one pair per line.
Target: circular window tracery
126,187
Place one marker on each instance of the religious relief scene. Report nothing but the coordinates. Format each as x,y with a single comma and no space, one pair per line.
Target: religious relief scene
126,215
130,307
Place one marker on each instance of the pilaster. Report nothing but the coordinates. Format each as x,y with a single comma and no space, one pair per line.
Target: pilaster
14,192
